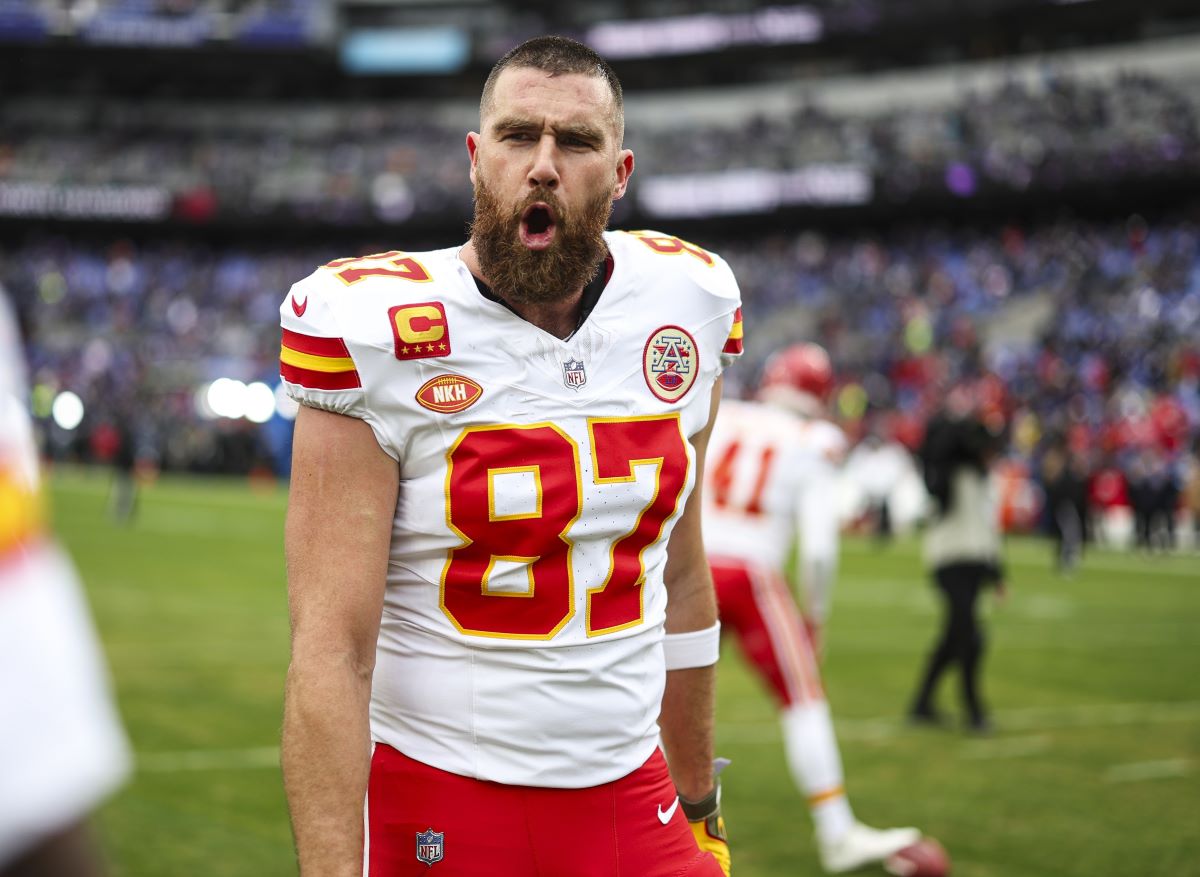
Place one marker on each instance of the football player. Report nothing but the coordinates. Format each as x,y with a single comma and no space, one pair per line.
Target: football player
497,445
62,749
771,481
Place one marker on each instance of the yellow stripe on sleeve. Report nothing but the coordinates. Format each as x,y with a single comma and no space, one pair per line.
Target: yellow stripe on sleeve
316,363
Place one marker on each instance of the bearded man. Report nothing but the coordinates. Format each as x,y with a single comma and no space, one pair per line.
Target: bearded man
494,494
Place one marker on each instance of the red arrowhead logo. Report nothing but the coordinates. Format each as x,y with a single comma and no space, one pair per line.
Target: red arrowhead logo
299,309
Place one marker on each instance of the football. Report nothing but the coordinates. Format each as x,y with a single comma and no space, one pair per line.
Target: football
925,858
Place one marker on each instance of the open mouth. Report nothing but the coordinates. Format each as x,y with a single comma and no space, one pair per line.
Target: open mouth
537,226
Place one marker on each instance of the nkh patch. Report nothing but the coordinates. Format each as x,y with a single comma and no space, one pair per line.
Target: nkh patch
573,374
670,363
431,846
447,394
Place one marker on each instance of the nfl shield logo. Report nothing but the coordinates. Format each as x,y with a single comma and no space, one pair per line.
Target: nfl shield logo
573,374
430,847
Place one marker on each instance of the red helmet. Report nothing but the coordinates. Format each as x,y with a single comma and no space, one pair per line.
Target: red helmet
802,368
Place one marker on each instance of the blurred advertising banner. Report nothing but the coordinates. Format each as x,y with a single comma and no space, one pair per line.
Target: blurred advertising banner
170,23
148,203
696,34
755,190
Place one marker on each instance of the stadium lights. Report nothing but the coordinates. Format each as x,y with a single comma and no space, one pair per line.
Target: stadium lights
227,398
260,402
235,400
67,410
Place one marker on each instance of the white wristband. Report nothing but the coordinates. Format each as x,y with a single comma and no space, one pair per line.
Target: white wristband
696,648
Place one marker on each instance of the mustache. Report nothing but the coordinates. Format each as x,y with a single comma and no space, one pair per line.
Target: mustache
545,196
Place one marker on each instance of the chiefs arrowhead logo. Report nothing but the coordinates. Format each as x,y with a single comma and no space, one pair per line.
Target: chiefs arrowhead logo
447,394
670,363
298,308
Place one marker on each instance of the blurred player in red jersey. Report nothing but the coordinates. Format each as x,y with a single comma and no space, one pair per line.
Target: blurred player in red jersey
62,749
496,445
772,480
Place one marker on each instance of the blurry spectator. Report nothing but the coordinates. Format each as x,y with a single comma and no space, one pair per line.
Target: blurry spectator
124,459
1065,487
962,550
1191,492
1154,495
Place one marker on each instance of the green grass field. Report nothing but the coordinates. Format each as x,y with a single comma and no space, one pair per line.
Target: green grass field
1095,682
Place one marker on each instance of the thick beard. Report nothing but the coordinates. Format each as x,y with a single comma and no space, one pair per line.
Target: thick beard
520,275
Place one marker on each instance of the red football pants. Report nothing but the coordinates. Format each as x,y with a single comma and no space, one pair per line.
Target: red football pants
757,607
495,830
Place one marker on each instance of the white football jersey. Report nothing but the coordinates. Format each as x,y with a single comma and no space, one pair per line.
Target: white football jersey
61,746
540,479
769,480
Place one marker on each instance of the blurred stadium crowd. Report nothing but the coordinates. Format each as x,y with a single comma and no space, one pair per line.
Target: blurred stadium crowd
371,162
1083,337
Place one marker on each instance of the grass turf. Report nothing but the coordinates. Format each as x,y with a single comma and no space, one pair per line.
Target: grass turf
1092,771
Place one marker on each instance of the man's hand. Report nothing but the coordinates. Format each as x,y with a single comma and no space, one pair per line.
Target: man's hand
708,826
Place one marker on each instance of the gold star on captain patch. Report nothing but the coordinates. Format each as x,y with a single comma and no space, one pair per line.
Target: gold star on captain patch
404,350
441,346
429,348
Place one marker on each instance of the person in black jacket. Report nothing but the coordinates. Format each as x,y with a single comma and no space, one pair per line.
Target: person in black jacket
1064,480
962,549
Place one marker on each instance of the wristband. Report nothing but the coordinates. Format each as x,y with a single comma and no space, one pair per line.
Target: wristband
695,648
709,805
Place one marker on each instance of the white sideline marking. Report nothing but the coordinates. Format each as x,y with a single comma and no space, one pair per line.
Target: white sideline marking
209,759
1148,770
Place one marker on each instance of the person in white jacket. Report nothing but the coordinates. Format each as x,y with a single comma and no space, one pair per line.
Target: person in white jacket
962,551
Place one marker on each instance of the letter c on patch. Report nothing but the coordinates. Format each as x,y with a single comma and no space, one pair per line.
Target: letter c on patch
417,324
420,330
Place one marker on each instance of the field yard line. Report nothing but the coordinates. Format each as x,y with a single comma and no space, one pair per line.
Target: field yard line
209,759
1027,719
1148,770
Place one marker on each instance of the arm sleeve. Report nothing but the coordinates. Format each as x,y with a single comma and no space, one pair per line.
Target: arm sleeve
316,364
732,350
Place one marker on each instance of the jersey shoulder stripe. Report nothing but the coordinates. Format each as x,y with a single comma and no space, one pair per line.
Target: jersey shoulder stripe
733,344
317,363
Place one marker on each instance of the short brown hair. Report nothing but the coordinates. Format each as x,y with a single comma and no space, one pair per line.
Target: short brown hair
556,56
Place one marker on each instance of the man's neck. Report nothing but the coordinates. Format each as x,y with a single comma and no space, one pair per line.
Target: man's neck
559,318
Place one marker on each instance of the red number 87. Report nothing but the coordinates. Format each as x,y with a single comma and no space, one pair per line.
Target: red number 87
539,540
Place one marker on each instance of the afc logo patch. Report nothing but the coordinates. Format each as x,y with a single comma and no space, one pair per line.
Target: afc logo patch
670,363
431,846
420,330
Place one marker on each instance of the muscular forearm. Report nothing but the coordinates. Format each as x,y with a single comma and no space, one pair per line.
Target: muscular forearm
326,761
687,729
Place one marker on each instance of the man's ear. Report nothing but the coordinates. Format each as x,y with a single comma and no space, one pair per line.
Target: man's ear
624,172
473,151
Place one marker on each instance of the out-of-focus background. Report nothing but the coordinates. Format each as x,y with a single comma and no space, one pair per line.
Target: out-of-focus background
1001,195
